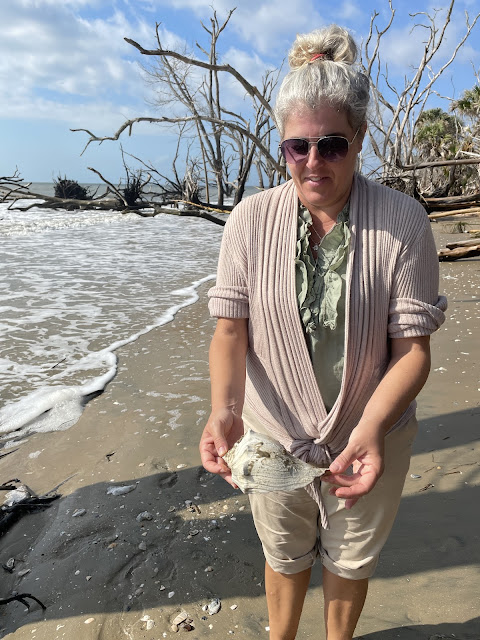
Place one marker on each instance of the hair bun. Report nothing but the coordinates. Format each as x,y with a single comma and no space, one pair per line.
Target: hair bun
334,43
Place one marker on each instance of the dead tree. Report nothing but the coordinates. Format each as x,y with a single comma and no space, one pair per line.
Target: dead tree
396,109
197,105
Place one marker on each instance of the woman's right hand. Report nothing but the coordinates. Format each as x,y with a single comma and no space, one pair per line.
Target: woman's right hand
221,432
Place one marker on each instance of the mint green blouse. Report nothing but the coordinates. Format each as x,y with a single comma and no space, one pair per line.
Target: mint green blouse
320,286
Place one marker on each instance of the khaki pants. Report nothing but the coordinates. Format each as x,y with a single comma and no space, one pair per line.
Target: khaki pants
288,526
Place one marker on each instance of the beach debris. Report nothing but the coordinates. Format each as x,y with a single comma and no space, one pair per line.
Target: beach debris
171,509
145,515
142,546
415,476
426,487
260,464
109,455
171,594
20,597
181,466
149,623
233,607
88,620
208,569
192,533
17,495
182,622
21,500
9,565
183,615
23,572
121,490
78,513
9,484
213,606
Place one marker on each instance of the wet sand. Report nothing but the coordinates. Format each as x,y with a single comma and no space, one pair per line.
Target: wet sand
106,575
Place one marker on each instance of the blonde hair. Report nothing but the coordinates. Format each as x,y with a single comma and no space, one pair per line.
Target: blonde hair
330,78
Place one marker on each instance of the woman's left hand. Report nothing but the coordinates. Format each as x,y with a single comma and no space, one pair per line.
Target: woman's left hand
365,452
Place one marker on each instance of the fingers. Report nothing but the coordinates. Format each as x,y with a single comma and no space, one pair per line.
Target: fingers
343,461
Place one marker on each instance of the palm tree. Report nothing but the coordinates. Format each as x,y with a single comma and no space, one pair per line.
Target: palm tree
436,134
469,106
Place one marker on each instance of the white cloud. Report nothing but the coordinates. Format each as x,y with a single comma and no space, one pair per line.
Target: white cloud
350,11
50,55
267,25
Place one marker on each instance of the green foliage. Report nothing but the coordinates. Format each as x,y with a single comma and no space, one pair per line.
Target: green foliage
436,133
70,189
469,103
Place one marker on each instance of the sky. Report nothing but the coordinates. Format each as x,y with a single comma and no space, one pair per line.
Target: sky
64,64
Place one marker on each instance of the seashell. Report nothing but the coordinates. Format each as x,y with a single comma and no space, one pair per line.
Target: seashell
260,464
183,615
145,515
214,606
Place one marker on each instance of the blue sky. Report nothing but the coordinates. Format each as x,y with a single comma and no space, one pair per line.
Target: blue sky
64,64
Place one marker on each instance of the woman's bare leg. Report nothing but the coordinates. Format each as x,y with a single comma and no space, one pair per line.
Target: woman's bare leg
344,600
285,596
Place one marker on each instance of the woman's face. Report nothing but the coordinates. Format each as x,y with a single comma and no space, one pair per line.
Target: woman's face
323,187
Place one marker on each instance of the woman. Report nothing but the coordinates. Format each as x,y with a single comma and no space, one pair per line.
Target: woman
326,294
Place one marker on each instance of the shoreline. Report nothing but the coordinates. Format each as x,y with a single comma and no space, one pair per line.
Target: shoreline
144,430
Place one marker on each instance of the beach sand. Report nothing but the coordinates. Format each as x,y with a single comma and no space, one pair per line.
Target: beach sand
105,575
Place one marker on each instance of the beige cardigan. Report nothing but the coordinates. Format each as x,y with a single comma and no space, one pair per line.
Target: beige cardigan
392,292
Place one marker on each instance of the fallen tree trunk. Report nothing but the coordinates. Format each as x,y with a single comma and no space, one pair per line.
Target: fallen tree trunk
457,254
195,213
454,212
462,243
452,202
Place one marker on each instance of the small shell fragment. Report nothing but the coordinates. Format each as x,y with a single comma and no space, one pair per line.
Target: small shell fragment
78,513
183,615
145,515
214,606
260,464
122,490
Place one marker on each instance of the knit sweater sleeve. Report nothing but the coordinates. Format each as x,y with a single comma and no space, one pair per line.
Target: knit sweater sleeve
229,297
415,308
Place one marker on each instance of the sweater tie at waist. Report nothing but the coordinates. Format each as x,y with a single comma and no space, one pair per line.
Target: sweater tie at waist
318,454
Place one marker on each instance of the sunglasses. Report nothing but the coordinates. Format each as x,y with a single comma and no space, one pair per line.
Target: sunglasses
330,148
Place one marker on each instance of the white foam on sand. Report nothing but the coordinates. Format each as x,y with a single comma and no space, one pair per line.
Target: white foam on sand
75,287
55,408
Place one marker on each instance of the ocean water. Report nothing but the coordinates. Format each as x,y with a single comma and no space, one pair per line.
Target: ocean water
74,287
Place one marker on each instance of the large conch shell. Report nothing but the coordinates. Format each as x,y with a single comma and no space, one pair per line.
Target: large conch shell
260,464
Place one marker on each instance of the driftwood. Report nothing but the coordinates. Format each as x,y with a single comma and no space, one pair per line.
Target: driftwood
462,243
450,255
9,514
452,202
454,212
21,598
195,213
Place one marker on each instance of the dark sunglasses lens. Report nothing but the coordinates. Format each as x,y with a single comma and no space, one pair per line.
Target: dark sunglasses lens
294,150
333,148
